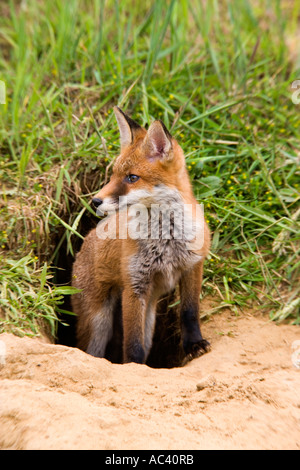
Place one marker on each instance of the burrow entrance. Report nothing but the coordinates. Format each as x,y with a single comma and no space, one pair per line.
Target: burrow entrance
166,352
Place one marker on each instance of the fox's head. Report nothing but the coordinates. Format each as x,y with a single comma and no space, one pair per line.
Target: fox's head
151,164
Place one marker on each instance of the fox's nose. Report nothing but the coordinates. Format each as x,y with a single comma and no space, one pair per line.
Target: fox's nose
97,201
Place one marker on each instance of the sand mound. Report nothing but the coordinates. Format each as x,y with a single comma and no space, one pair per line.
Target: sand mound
244,394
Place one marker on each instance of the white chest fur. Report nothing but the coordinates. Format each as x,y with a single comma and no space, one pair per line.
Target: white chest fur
163,240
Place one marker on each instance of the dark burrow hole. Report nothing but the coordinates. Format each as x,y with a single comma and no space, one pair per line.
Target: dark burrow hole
166,352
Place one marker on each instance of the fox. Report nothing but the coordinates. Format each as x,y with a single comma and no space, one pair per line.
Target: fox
121,278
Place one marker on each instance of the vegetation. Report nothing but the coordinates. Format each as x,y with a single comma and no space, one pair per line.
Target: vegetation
218,73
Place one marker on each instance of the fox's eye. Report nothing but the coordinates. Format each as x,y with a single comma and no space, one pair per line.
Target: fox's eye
132,178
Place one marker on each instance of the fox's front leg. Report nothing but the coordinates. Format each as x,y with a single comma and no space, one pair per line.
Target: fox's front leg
133,312
190,288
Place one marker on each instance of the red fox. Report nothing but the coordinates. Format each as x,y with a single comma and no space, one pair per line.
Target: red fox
123,277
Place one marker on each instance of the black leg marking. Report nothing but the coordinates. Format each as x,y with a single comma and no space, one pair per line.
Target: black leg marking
193,343
135,353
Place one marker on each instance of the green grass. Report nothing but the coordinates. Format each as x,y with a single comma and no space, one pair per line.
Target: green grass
28,298
218,74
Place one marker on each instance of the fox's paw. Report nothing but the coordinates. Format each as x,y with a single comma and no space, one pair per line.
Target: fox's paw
194,350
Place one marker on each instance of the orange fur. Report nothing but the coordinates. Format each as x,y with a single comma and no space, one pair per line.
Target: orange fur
110,271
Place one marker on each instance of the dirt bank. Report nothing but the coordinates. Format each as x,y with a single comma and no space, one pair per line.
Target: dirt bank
244,394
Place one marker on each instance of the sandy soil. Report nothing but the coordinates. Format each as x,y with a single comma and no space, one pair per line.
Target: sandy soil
244,394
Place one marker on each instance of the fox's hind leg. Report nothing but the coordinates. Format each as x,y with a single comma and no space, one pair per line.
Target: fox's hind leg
101,330
149,325
95,322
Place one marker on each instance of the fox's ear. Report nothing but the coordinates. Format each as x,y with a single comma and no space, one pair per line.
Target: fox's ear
158,141
127,127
